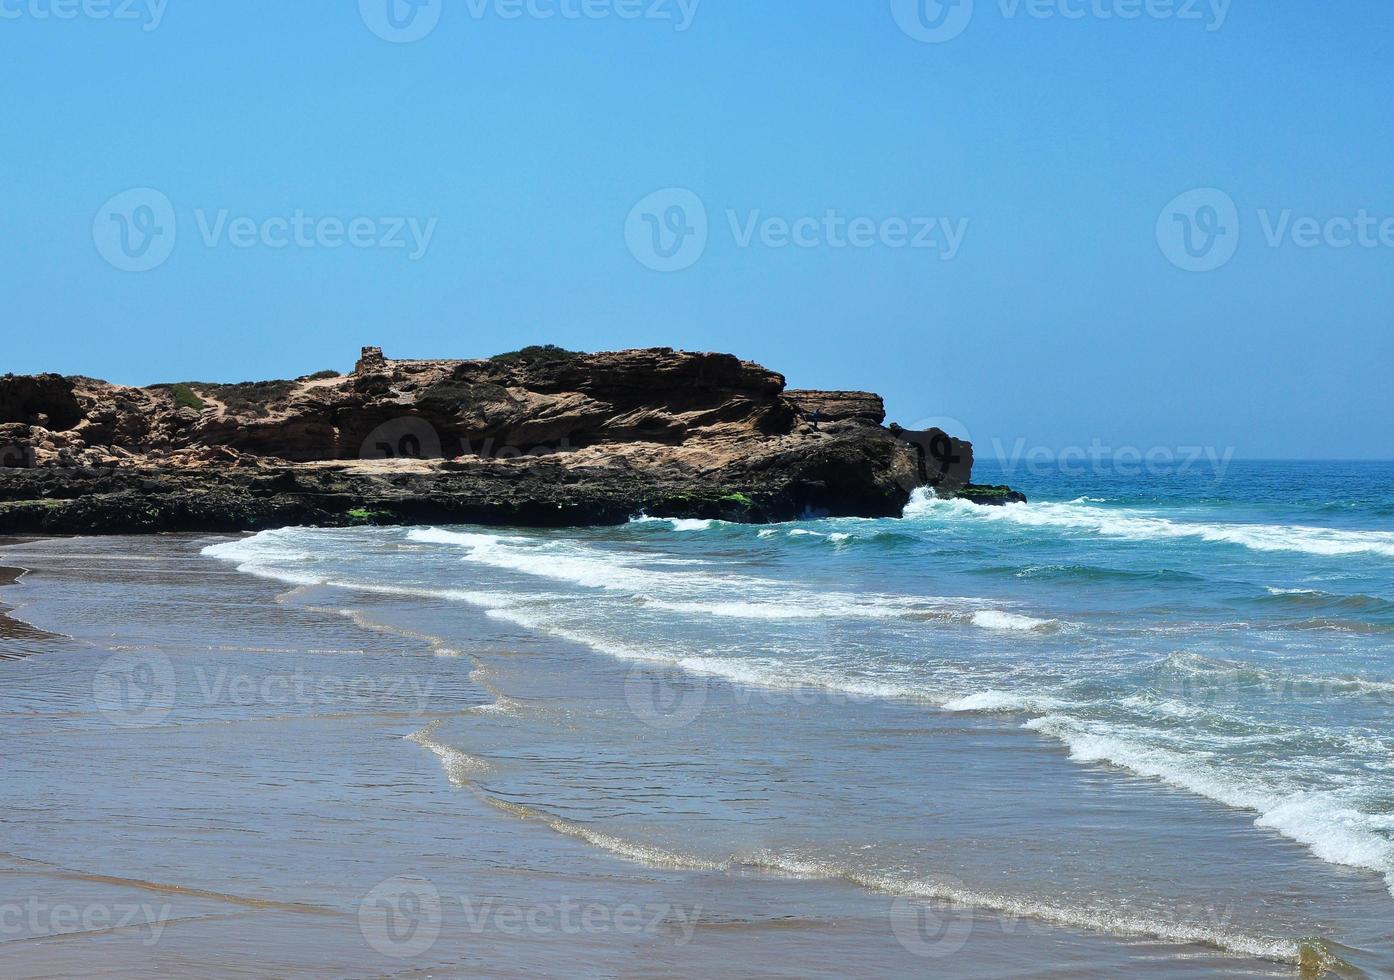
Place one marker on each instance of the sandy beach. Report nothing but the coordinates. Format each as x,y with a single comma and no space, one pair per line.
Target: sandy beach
214,774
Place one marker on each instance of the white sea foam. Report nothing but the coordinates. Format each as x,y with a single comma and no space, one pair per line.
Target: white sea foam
1224,671
267,555
459,766
835,537
794,604
1010,702
1327,824
1109,921
582,565
769,672
672,590
1139,526
994,619
676,523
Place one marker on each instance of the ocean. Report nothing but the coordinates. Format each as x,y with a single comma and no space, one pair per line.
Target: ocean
1152,713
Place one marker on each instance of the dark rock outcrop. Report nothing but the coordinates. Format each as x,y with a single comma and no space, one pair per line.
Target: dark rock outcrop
539,437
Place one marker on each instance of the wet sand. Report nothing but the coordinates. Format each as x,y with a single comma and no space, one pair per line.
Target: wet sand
18,639
214,775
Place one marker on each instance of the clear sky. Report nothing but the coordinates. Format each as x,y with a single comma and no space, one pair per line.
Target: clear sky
1023,263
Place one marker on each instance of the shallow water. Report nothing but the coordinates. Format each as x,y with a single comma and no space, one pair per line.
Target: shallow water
1127,726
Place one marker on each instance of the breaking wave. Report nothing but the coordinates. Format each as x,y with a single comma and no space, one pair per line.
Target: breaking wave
1136,526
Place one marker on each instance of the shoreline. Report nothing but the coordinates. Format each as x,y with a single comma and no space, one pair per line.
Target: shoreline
1083,934
16,636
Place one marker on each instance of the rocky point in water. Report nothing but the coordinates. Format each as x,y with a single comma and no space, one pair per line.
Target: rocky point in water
540,437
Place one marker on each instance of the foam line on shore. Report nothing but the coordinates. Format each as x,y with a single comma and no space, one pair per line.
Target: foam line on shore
1311,954
1330,828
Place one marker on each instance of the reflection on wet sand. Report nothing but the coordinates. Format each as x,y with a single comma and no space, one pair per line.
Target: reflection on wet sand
17,638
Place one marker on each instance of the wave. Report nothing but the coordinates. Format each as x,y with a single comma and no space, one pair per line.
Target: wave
1315,599
579,564
993,619
676,523
1006,702
459,766
1219,672
834,537
1099,573
778,674
263,555
1333,830
1140,527
671,590
1307,953
768,672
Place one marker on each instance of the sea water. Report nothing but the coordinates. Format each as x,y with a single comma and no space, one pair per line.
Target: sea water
1156,708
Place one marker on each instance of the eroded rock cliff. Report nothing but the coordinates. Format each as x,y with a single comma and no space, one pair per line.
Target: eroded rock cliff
541,436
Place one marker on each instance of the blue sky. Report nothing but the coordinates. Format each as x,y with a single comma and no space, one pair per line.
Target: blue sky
490,170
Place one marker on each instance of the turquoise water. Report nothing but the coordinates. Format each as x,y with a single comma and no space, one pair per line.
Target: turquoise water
1147,707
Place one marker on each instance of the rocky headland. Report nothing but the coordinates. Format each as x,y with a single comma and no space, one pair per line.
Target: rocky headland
539,437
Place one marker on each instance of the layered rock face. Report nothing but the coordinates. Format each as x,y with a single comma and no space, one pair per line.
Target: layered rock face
542,436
